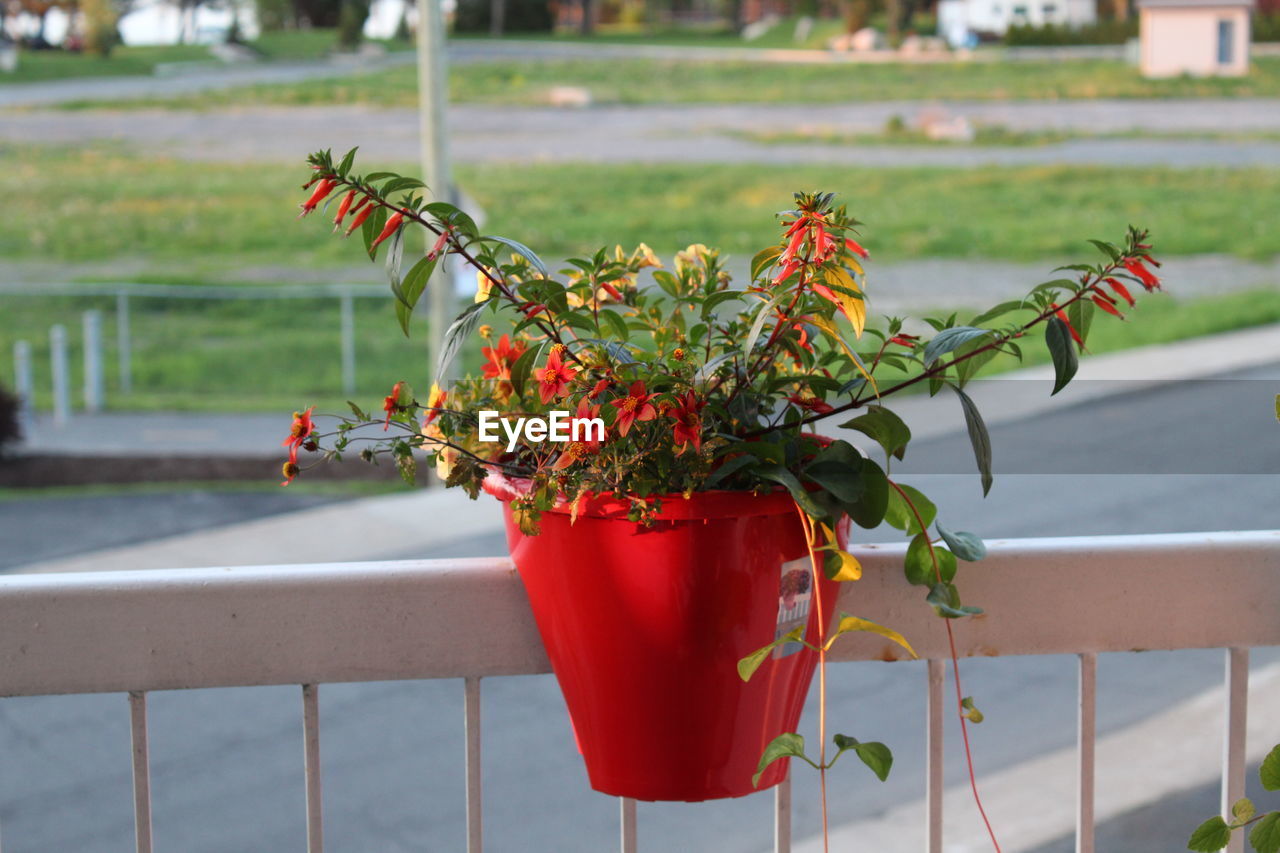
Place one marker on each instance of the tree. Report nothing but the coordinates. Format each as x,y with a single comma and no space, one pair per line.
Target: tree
99,22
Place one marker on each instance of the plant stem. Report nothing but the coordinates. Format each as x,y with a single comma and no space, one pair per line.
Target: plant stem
955,669
807,524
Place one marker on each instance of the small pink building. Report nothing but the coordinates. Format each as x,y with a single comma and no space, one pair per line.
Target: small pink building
1203,38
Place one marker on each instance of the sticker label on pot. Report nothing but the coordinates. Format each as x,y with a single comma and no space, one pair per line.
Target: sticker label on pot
795,591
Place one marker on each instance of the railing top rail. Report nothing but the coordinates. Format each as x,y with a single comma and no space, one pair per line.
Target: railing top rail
196,291
186,628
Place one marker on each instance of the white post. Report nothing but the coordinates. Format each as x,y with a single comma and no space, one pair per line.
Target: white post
124,346
61,378
93,384
348,343
22,383
433,99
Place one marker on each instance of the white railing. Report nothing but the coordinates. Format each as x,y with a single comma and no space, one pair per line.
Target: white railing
140,631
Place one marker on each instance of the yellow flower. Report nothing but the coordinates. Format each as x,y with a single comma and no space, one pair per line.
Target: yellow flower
697,253
645,257
483,286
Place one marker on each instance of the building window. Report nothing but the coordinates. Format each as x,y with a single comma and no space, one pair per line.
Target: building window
1019,14
1226,41
1050,10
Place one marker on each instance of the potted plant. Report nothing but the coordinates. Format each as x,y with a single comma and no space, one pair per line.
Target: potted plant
679,526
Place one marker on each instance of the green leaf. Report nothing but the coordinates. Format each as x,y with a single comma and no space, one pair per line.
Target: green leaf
733,466
1063,352
778,474
1243,809
397,184
964,545
1211,835
870,509
1080,313
948,339
372,228
1107,249
348,161
715,300
1269,773
843,481
521,369
522,250
457,333
748,665
884,427
918,564
783,746
979,439
945,599
998,311
1265,836
849,623
874,754
899,514
667,282
758,325
763,260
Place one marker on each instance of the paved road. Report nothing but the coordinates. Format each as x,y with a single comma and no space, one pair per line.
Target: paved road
227,763
686,134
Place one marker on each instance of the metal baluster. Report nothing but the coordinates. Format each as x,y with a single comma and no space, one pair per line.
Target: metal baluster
1233,743
311,761
933,766
475,815
782,815
141,772
1087,739
628,806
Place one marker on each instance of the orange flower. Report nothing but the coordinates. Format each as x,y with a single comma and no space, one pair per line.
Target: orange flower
587,445
1121,291
554,379
435,400
391,404
500,360
634,407
360,217
343,207
904,340
299,434
852,246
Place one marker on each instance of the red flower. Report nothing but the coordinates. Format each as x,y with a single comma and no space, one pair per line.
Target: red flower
554,379
391,404
500,360
323,189
687,413
343,207
1149,281
904,340
587,445
359,218
299,434
803,342
634,407
1062,315
393,222
1121,291
601,387
852,246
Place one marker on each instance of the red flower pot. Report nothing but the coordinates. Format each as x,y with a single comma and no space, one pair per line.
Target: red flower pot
645,625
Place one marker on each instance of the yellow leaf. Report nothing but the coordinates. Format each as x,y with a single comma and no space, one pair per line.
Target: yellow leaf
855,266
827,326
853,623
851,306
850,568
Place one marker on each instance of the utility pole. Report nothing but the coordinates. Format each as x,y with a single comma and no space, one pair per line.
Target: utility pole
433,101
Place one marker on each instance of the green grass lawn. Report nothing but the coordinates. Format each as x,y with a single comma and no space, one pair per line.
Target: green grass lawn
98,202
637,81
34,65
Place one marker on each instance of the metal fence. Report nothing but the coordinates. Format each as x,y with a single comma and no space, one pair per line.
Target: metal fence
135,632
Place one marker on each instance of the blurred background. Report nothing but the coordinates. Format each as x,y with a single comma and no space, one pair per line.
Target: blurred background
162,314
